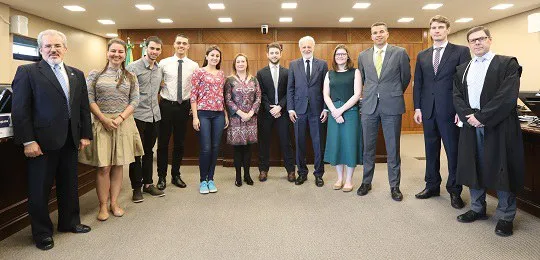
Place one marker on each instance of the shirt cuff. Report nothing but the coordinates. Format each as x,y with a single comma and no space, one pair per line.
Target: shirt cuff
27,143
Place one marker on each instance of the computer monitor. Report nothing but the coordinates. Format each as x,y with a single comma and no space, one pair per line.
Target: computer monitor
531,100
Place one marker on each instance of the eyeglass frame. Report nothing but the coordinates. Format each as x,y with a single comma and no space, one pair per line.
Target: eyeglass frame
479,39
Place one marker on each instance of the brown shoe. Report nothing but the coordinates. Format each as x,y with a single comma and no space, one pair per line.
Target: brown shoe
291,176
263,176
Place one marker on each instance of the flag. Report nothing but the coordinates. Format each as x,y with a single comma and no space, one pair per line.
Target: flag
129,52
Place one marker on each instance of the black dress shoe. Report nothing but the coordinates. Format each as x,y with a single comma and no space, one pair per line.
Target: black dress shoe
238,182
504,228
456,201
428,193
319,182
248,180
178,182
364,189
300,180
79,228
45,243
161,183
396,194
471,216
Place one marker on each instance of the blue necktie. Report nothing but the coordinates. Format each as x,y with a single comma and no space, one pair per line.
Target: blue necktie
64,85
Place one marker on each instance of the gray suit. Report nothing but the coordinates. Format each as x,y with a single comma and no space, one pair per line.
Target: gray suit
383,102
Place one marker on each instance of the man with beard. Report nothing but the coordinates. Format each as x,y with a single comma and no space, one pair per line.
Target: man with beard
174,106
273,82
147,117
305,107
51,117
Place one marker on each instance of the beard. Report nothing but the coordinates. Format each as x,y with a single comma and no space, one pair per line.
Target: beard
274,63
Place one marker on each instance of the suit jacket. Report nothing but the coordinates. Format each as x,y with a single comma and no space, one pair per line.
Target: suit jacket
504,167
395,77
264,76
436,90
39,109
300,92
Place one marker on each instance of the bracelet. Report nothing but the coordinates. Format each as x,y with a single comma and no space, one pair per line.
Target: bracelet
120,115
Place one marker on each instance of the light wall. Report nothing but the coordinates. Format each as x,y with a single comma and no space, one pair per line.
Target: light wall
510,37
86,51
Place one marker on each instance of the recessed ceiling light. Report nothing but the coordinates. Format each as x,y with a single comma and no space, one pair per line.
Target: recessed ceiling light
346,19
361,5
285,19
432,6
463,20
145,7
164,20
225,20
216,6
405,20
288,5
106,21
502,6
112,35
74,8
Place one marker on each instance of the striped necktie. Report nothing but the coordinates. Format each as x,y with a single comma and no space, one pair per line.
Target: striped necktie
64,85
437,59
378,63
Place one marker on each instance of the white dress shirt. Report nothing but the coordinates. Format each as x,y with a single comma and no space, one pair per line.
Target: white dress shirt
476,76
310,65
275,67
170,77
376,53
443,46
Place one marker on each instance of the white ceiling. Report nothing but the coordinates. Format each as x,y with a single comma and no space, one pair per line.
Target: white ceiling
253,13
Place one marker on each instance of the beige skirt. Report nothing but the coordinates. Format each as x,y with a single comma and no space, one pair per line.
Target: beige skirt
116,147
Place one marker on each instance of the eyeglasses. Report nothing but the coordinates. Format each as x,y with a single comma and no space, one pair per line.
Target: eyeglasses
479,39
56,47
341,54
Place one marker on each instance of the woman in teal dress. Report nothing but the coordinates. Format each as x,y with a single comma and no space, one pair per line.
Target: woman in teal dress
341,91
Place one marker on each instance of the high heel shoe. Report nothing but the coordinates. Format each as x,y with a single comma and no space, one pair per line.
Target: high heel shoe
248,180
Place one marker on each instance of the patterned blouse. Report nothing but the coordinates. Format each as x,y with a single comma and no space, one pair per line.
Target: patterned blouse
109,97
244,96
207,90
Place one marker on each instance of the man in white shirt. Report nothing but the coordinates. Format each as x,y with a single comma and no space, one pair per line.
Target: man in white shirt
174,106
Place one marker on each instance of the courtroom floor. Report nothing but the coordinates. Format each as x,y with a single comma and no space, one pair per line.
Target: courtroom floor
278,220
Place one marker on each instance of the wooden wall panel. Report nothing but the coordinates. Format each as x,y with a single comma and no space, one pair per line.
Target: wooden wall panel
235,36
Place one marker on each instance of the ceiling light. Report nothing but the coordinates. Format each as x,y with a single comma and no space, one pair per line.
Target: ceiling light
225,20
106,21
216,6
405,20
432,6
361,5
74,8
463,20
288,5
285,19
112,35
501,6
145,7
165,20
346,19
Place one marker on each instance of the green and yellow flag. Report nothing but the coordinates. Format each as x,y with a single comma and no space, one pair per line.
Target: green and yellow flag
129,52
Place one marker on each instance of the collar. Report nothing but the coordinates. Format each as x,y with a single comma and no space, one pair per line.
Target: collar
443,45
310,59
270,65
147,64
61,64
383,48
488,56
177,59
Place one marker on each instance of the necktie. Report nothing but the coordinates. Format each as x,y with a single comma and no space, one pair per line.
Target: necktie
274,78
179,96
437,59
378,63
64,85
308,70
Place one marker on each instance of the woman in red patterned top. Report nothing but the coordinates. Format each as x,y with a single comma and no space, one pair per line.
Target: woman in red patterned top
243,98
209,114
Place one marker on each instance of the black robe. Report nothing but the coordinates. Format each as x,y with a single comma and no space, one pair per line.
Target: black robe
504,164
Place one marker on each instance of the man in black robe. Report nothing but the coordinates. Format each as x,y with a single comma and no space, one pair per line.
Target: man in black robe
490,150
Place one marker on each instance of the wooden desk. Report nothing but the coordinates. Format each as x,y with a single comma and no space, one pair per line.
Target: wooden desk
13,194
529,198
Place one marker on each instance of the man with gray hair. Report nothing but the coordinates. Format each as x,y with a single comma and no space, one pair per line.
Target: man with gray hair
305,107
51,118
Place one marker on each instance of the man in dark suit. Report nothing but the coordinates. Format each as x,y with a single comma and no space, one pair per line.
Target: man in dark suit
490,150
273,82
305,107
386,73
433,107
51,117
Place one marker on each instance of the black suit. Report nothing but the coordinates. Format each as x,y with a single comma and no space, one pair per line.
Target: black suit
266,120
40,114
433,96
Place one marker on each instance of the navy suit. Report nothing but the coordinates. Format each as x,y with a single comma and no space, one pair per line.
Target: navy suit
433,96
306,99
40,114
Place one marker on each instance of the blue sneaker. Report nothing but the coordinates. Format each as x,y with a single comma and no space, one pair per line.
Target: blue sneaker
212,187
203,189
